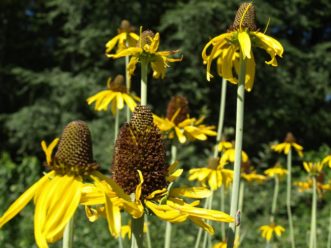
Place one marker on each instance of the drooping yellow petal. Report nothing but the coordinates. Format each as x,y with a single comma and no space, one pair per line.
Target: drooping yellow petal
180,135
190,192
250,73
120,101
126,52
103,103
129,101
63,210
202,224
24,199
112,43
113,216
245,44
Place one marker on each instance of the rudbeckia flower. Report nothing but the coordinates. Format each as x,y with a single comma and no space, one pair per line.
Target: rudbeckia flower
224,145
116,95
248,173
288,143
139,167
179,125
58,193
215,175
229,155
238,42
147,51
268,231
313,169
277,171
125,38
327,160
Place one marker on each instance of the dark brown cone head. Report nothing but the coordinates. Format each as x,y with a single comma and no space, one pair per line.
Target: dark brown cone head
178,102
246,15
213,163
118,84
139,147
289,138
125,27
145,38
74,153
246,167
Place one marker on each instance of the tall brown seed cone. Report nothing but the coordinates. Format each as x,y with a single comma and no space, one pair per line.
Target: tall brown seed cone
139,147
246,11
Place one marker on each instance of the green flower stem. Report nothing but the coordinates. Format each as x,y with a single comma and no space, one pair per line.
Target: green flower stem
268,244
221,117
197,242
288,196
222,190
148,236
120,242
207,237
241,205
329,236
68,234
143,83
117,124
274,200
238,149
128,86
167,241
312,241
137,227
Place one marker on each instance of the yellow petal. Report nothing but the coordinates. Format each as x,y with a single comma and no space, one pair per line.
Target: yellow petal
190,192
180,135
113,216
23,200
126,52
120,101
250,73
111,43
245,44
202,224
129,101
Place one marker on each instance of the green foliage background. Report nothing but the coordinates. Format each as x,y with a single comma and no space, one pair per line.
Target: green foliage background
52,58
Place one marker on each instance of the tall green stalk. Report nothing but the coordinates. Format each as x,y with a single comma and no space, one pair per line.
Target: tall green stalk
143,83
222,190
128,85
137,227
167,241
68,235
241,205
329,236
288,196
312,241
207,237
238,148
148,236
220,117
274,200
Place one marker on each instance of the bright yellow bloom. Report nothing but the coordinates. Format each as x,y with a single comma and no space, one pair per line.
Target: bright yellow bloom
214,175
116,95
313,169
327,160
308,185
147,51
287,145
229,156
223,244
238,41
277,170
253,177
267,231
224,145
58,193
125,38
188,129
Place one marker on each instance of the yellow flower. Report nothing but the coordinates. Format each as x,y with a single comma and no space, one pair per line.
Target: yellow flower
267,231
253,177
308,184
313,169
327,160
179,124
58,193
215,175
125,38
229,156
147,51
139,167
287,145
238,41
277,171
116,95
223,244
224,145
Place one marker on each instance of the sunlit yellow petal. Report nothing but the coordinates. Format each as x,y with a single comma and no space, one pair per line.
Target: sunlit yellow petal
190,192
245,44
